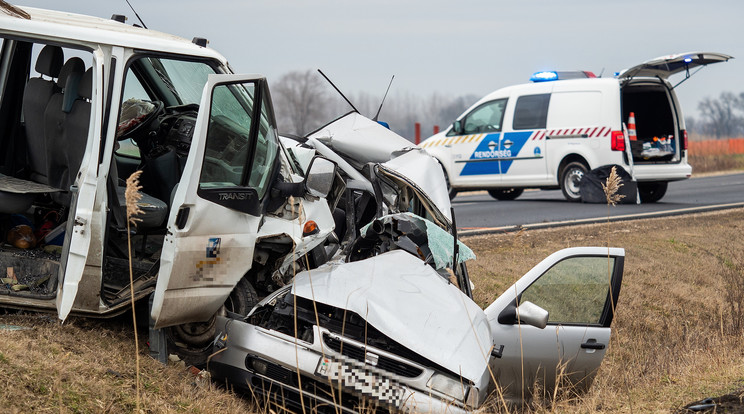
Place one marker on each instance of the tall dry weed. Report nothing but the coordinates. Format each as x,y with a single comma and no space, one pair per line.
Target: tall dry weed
133,196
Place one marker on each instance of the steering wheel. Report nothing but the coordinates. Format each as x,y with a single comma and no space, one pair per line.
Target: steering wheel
134,126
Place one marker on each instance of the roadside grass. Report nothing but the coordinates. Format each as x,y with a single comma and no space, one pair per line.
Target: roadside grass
715,163
675,336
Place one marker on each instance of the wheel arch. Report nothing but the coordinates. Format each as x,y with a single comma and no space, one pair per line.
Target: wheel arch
569,159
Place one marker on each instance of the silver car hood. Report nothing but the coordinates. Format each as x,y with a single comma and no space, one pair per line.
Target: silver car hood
409,302
363,140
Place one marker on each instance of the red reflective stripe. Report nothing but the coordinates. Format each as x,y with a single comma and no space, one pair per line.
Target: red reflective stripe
591,134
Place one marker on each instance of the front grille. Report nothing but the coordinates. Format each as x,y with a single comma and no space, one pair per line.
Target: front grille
384,363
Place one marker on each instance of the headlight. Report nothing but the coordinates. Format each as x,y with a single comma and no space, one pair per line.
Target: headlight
455,388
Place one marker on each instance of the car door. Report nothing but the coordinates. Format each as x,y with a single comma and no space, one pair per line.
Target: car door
523,148
579,288
78,231
216,209
474,141
665,66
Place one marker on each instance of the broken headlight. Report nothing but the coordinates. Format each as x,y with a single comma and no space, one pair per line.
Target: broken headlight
455,388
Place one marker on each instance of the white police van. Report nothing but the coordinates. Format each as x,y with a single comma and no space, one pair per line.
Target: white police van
548,133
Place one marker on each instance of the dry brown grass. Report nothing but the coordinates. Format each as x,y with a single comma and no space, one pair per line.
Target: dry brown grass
674,340
716,163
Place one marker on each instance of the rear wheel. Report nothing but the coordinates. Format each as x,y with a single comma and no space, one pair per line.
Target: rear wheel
652,192
571,176
506,194
192,342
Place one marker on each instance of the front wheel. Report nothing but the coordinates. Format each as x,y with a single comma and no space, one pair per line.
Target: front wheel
652,192
192,342
451,191
571,176
506,194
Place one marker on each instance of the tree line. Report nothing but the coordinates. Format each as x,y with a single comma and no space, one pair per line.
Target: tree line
304,102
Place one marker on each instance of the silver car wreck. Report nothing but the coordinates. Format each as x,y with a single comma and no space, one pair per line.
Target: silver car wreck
388,320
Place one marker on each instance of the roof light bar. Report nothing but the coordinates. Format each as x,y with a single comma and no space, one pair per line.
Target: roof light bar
551,75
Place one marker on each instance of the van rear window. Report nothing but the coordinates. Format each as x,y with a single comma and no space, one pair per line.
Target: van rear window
531,111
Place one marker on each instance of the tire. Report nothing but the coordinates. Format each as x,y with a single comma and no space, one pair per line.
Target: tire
192,342
571,176
506,194
652,192
451,191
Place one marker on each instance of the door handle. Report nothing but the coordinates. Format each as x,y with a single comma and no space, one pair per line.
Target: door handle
508,143
592,344
182,217
447,145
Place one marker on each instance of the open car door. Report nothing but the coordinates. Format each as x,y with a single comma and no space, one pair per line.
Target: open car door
82,201
217,206
665,66
578,287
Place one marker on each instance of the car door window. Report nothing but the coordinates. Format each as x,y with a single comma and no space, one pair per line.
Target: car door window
531,111
573,291
485,118
227,159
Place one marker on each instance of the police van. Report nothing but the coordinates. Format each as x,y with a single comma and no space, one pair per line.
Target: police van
548,133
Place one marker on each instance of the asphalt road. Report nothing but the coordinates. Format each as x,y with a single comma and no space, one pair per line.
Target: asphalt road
477,210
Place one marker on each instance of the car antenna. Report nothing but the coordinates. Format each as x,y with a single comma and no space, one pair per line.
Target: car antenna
135,13
339,91
383,99
601,72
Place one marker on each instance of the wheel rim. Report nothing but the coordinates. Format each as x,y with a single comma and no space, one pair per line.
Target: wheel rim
572,182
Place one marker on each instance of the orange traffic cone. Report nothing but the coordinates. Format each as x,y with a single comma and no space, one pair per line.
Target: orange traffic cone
631,127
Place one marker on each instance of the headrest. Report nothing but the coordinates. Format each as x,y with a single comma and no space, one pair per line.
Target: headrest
85,89
50,60
73,65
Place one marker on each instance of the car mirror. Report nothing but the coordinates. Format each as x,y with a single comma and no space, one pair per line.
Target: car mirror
457,127
320,176
529,314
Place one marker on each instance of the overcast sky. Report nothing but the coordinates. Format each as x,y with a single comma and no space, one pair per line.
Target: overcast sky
450,47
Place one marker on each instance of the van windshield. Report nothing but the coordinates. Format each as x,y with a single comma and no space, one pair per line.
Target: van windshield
485,118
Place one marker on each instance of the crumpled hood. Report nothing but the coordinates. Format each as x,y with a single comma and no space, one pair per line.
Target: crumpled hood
364,140
409,302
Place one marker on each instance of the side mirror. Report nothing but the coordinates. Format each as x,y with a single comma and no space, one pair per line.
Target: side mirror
529,314
457,127
320,176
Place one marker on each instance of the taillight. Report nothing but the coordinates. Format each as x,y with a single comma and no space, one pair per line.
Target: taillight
684,139
618,141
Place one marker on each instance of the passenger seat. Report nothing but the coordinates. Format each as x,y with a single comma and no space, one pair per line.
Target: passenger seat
36,96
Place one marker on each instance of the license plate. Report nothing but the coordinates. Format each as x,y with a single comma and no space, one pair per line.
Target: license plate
362,379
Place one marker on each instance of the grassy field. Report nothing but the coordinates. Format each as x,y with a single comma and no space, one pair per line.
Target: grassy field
677,336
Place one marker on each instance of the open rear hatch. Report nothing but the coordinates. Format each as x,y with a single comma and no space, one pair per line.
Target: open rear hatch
665,66
650,108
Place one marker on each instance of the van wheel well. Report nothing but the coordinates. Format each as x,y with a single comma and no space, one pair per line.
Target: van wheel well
569,159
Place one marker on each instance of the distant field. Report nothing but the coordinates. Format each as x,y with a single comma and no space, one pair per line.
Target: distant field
676,336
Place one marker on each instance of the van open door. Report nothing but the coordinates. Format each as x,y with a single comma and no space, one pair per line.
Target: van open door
576,289
78,230
665,66
217,206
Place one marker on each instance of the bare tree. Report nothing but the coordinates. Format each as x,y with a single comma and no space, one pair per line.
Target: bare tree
301,102
720,117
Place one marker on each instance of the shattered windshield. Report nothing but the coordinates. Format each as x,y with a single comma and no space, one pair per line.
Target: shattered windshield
416,235
401,196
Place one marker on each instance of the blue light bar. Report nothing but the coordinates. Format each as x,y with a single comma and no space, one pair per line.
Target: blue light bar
688,59
544,76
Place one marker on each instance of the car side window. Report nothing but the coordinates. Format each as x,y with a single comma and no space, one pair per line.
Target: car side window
531,111
485,118
573,291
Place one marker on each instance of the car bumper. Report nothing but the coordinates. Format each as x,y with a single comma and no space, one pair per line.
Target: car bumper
292,373
662,172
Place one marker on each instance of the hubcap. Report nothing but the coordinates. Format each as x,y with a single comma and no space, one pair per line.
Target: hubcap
573,180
